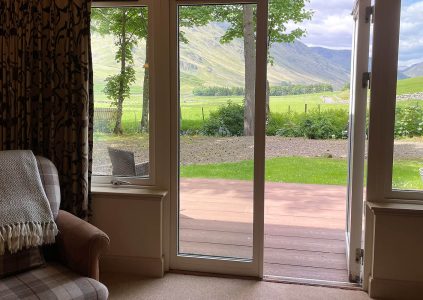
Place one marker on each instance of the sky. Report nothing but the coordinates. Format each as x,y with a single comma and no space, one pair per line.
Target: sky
331,27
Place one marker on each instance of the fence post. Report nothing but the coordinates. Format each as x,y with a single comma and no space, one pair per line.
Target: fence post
318,105
202,112
289,109
305,108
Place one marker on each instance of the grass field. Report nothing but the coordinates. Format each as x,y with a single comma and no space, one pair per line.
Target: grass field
194,108
302,170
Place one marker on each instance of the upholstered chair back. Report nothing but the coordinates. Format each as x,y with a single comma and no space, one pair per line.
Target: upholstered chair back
50,180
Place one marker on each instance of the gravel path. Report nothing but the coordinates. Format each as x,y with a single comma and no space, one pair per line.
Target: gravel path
206,150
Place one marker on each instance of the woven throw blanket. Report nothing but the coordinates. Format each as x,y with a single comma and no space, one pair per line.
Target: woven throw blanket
26,219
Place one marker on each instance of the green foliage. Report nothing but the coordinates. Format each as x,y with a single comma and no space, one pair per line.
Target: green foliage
300,89
119,85
218,91
327,124
128,25
283,90
346,87
281,12
409,120
284,124
228,120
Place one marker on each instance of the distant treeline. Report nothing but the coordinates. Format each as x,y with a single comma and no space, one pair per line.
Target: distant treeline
300,89
296,89
218,91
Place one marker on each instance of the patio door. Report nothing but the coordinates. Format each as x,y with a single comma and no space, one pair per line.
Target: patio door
357,137
218,73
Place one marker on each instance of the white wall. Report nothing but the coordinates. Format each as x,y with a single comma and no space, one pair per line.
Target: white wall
133,220
395,251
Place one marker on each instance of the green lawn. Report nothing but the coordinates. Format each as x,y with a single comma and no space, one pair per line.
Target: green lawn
302,170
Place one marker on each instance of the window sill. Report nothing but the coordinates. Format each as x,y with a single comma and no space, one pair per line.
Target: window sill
396,208
139,192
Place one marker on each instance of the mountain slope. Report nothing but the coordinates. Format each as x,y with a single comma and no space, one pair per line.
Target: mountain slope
205,61
414,71
209,62
338,57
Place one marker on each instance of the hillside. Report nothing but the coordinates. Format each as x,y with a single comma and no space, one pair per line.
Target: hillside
414,71
205,61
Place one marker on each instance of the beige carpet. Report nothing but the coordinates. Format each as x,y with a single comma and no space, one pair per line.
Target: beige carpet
177,286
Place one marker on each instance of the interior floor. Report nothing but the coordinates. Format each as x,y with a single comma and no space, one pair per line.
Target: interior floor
178,286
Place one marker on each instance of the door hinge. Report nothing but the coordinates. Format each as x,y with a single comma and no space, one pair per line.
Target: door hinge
366,80
359,255
370,14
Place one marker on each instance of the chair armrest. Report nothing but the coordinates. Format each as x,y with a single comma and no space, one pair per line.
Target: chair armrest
80,244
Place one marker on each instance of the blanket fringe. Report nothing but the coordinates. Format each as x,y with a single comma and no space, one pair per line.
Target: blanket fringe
26,235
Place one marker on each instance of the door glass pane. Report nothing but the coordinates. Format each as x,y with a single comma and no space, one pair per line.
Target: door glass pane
119,41
407,173
216,126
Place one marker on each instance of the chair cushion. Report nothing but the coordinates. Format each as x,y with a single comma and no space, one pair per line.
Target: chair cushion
50,180
51,282
23,260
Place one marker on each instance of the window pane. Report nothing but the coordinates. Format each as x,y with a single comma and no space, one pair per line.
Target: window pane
121,93
408,146
216,104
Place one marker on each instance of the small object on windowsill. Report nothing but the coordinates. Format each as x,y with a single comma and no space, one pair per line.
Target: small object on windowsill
116,181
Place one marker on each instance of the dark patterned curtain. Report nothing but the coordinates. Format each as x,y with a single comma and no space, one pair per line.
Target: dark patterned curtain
46,102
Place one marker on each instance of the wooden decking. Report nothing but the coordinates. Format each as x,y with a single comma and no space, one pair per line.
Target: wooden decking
304,225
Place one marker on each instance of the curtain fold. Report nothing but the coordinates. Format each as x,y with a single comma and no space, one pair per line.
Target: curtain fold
46,97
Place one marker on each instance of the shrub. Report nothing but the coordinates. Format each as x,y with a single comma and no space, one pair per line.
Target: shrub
409,120
327,124
284,124
191,127
228,120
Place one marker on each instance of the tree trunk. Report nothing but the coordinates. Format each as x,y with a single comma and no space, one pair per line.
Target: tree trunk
118,125
250,69
146,92
267,99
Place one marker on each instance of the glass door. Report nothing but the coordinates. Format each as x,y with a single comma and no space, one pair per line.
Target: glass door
357,136
218,61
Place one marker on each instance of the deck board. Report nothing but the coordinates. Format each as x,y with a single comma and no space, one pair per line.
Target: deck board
304,225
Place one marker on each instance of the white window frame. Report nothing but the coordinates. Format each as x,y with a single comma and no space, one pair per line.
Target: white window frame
387,16
213,264
152,14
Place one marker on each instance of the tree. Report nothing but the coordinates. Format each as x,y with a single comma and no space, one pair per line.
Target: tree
128,26
242,20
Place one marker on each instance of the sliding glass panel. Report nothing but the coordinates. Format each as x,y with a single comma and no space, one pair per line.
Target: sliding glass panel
407,172
121,93
217,59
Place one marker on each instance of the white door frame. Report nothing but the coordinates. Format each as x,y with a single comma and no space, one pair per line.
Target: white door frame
357,138
202,263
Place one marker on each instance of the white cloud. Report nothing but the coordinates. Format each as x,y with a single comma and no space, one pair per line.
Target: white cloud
332,24
411,33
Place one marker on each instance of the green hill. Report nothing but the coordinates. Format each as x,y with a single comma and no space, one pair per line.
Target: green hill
205,61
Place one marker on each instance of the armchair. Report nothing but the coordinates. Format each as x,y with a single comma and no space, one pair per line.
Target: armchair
72,263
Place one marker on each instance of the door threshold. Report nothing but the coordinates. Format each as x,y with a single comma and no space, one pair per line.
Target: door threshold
313,282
